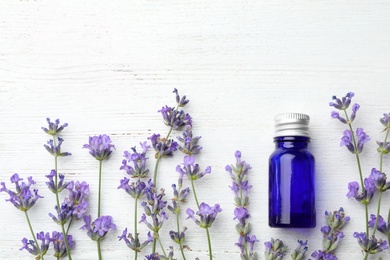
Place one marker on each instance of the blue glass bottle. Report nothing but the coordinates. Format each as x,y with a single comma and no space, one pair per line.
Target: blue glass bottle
291,174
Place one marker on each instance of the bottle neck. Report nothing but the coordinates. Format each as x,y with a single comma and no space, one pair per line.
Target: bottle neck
291,142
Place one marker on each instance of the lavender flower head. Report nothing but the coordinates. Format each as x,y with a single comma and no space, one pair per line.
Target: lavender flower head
275,249
370,245
99,146
342,104
385,120
163,147
321,255
190,169
189,143
54,127
23,198
348,141
300,251
134,189
59,244
380,180
33,249
55,149
381,226
206,214
181,102
63,214
175,118
368,192
99,228
138,160
77,199
133,243
61,184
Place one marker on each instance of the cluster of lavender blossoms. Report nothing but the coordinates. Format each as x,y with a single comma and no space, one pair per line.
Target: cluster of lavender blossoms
153,204
364,190
72,208
241,187
332,234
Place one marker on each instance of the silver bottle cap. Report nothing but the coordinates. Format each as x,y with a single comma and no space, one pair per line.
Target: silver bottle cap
292,124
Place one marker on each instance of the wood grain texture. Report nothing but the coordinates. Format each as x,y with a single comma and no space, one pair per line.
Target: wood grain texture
109,66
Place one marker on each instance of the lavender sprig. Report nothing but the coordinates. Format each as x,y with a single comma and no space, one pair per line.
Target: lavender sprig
275,249
206,213
135,165
54,149
241,187
354,143
100,147
23,199
332,234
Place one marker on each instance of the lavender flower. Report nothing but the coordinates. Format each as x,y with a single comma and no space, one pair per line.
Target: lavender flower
178,237
336,219
370,245
55,149
99,228
189,143
382,226
343,103
367,194
206,214
385,120
274,249
347,140
178,197
63,214
163,147
135,189
320,255
133,243
77,199
33,249
383,147
181,102
59,244
23,198
190,169
380,180
99,147
61,184
300,251
155,209
54,127
174,118
138,160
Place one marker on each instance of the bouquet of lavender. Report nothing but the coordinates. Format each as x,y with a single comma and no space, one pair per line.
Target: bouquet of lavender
364,190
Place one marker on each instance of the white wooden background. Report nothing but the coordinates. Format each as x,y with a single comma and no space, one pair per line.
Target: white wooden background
108,66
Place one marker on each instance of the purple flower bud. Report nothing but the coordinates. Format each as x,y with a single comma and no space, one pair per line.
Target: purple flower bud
54,127
99,146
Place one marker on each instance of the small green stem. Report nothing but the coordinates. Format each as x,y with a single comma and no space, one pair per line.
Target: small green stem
366,256
194,191
33,234
100,186
367,230
162,248
209,242
178,229
156,169
70,223
377,213
136,227
99,250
